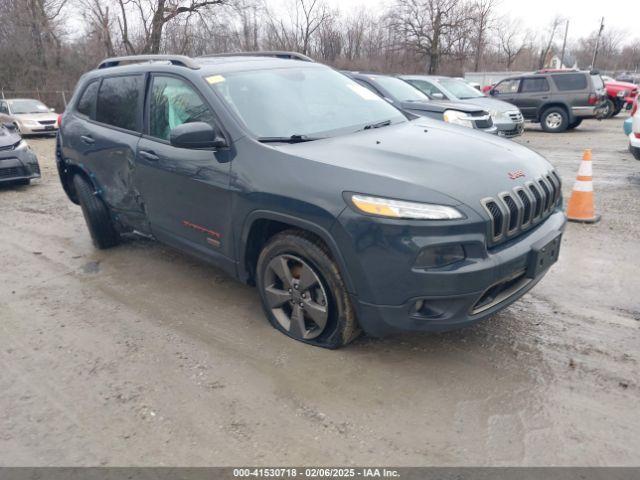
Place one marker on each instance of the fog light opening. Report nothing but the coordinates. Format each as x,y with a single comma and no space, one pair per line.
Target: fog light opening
424,308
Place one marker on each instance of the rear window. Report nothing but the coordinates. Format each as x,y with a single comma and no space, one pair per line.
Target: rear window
87,103
570,81
119,102
598,82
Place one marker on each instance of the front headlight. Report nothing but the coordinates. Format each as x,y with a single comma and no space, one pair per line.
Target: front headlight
458,118
30,123
385,207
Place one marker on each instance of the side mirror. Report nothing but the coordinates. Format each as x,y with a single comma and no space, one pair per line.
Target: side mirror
196,135
437,96
9,126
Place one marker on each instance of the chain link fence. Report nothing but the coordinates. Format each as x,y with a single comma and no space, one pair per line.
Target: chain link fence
56,99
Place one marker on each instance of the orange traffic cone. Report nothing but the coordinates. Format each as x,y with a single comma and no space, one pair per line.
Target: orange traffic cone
580,207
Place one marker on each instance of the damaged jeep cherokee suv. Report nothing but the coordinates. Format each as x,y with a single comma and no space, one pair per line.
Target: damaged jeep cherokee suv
291,176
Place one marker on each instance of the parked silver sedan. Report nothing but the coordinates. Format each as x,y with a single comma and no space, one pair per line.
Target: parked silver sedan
31,117
506,117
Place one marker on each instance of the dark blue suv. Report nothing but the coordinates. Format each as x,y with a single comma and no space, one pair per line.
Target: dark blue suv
291,176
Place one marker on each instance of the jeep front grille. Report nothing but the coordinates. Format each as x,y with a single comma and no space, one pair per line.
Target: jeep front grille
511,213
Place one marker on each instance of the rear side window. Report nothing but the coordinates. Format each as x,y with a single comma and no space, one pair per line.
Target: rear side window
119,101
570,81
87,103
531,85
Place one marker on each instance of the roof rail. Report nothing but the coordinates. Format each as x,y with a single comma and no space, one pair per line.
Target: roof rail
179,60
276,53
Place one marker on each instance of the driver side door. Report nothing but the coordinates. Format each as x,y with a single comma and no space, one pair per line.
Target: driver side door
185,190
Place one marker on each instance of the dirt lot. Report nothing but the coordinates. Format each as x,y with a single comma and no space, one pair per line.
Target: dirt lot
142,356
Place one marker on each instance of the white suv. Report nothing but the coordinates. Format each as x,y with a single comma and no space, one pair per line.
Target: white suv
634,136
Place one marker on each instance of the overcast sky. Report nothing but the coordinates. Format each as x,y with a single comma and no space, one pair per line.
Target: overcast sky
584,15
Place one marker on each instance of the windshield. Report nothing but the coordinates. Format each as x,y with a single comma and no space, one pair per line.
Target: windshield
460,89
301,101
27,106
400,90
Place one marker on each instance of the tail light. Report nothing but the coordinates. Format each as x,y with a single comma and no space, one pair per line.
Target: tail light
593,98
60,121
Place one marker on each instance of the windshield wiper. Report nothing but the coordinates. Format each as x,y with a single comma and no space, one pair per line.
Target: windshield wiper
291,139
384,123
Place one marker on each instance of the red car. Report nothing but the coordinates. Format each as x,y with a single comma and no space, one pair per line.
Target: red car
619,94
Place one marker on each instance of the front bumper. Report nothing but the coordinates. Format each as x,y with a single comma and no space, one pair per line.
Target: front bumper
38,130
16,165
510,130
390,290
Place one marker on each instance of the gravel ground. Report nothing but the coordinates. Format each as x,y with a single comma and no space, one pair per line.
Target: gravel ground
140,355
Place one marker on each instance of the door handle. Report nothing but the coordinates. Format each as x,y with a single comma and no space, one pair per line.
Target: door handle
149,155
87,139
546,97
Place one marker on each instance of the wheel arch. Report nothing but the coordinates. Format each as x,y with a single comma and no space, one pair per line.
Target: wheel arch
261,225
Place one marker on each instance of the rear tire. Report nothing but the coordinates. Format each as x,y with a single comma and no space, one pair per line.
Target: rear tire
302,291
96,214
635,151
554,120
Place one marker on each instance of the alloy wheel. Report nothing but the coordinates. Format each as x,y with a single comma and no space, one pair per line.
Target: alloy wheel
554,120
296,296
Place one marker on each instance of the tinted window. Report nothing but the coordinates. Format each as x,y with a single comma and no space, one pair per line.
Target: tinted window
507,86
119,101
426,87
174,102
530,85
572,81
87,102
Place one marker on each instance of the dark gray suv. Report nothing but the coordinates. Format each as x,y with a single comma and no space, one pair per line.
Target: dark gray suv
290,176
558,99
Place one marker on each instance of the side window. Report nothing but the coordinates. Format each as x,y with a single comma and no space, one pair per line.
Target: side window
87,103
3,108
572,81
174,102
532,85
507,86
119,101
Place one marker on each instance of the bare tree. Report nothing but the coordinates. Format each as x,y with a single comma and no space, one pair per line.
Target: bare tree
483,22
426,25
548,39
512,39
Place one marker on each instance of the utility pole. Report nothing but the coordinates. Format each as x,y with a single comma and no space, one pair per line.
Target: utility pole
564,44
595,52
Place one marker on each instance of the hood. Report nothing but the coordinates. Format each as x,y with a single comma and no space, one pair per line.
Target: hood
36,116
621,85
424,160
490,104
439,106
8,138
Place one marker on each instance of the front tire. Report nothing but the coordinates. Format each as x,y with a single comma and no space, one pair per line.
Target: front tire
554,120
96,214
302,291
